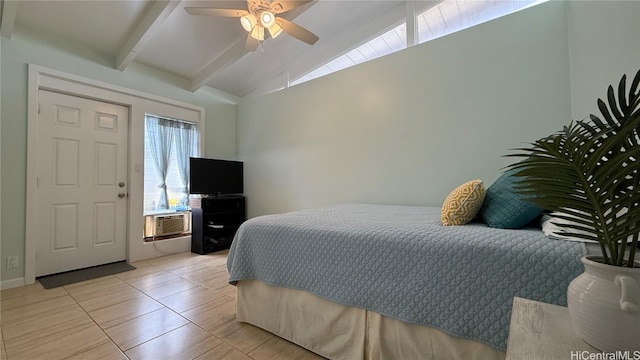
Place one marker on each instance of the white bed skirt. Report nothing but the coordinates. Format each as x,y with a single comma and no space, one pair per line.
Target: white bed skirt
336,331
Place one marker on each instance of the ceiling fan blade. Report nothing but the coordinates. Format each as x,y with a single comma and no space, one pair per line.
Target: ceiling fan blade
216,12
251,44
297,31
280,6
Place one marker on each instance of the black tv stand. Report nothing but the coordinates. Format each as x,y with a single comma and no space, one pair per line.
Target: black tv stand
215,222
221,196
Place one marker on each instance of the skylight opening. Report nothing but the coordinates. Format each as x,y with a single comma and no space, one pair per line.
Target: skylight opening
445,18
387,43
454,15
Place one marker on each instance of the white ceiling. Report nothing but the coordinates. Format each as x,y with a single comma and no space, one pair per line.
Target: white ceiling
209,51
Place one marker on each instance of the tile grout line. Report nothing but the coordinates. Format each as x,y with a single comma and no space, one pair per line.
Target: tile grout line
141,315
135,317
94,322
200,327
4,345
183,270
179,314
188,321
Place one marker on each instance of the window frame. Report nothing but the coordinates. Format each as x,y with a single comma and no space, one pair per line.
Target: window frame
173,175
412,36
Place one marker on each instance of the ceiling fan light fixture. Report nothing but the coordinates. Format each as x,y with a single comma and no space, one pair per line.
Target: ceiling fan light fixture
261,14
258,33
267,19
275,30
248,22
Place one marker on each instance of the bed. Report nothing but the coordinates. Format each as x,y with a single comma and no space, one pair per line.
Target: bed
364,281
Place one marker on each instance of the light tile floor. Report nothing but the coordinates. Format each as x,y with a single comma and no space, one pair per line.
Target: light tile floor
174,307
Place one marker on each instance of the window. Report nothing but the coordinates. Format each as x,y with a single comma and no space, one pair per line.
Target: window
391,41
454,15
446,17
168,144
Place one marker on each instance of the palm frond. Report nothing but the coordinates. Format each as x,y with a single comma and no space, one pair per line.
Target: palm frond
590,171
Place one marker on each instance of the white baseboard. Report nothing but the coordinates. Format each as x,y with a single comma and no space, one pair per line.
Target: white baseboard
12,283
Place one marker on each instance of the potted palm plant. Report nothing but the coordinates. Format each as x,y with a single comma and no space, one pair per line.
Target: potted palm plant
588,175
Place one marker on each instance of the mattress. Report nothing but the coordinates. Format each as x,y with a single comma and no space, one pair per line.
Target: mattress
400,262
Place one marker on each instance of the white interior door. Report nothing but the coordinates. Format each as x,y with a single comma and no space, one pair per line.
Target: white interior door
81,191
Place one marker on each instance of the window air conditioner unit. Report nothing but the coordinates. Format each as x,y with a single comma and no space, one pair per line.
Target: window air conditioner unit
169,224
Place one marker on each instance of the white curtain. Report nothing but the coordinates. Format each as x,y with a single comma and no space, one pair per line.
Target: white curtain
160,134
184,136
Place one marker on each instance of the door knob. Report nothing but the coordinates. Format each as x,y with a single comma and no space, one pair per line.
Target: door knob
121,195
121,184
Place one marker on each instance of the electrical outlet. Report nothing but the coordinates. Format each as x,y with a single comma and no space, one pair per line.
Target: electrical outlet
12,262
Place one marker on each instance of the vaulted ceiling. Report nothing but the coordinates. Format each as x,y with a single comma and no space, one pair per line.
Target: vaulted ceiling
209,51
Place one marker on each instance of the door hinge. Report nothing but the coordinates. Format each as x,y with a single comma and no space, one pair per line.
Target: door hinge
38,109
37,181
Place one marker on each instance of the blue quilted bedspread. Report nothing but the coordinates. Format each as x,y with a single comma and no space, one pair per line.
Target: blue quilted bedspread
399,261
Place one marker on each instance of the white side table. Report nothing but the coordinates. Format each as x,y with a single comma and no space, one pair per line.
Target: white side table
540,331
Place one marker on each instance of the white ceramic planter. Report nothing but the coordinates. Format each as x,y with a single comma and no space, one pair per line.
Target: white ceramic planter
604,305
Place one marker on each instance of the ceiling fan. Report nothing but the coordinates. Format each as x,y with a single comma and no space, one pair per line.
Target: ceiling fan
261,14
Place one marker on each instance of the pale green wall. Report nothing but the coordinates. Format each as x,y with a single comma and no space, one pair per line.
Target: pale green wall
409,127
405,128
604,38
23,49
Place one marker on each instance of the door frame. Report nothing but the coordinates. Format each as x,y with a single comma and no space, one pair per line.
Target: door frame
138,103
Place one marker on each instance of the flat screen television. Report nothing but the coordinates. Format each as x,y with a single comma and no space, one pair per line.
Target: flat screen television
215,177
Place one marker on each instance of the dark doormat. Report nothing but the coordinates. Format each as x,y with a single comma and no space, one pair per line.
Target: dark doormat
94,272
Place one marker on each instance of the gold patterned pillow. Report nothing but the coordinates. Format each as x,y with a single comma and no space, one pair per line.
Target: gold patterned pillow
463,203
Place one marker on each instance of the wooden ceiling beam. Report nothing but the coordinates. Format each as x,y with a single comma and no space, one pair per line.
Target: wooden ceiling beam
322,53
350,39
234,53
150,23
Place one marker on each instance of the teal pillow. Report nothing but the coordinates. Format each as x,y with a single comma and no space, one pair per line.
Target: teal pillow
504,208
